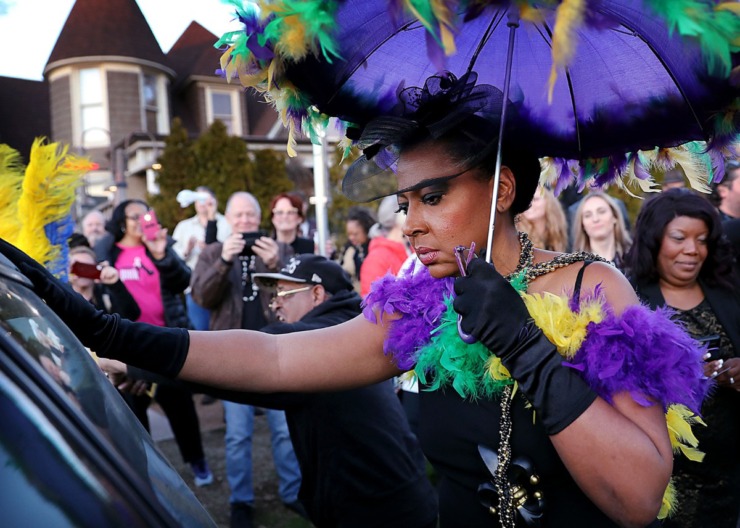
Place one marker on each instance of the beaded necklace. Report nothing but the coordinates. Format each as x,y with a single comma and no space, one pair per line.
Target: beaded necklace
526,271
506,490
248,265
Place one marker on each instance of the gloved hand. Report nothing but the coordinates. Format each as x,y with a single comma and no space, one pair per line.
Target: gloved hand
495,314
161,350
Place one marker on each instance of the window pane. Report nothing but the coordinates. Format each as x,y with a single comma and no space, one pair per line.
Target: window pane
91,89
221,103
93,125
151,120
150,90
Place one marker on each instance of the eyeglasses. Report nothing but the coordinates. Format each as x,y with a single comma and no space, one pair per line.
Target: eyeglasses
285,293
285,212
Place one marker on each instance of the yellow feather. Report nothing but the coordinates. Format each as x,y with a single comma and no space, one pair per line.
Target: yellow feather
531,14
679,420
669,501
569,17
564,328
293,40
445,19
734,7
496,369
696,171
48,191
11,180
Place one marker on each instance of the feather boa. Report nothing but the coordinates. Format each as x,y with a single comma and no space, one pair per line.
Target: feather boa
640,352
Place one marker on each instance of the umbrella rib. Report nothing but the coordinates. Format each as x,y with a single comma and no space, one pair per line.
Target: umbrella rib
569,80
495,21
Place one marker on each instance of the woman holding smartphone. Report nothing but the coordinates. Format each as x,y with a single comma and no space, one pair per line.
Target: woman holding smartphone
142,253
681,260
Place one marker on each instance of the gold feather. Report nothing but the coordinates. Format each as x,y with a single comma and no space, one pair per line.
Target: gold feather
569,17
11,180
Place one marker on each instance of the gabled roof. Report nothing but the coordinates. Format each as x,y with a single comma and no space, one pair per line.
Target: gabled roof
106,28
193,54
24,113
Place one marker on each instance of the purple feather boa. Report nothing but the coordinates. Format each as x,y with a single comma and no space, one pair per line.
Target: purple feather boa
646,354
641,352
419,299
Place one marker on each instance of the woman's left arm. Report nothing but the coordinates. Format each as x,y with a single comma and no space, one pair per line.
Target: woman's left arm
619,454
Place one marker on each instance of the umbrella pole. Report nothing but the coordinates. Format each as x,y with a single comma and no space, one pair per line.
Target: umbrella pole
513,24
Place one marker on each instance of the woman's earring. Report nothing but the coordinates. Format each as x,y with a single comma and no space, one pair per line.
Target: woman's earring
123,229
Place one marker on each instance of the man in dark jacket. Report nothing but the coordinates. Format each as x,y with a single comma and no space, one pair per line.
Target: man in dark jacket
359,460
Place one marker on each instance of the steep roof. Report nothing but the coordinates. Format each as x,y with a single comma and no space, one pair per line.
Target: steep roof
194,54
106,28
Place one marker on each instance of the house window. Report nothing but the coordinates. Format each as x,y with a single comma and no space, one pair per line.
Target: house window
222,109
92,112
149,96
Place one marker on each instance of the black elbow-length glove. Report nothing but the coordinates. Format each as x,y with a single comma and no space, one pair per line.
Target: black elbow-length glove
153,348
494,313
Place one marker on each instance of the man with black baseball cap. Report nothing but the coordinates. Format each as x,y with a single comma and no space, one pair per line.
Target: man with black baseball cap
361,464
306,282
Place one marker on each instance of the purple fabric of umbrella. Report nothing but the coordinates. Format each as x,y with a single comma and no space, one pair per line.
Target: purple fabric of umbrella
630,86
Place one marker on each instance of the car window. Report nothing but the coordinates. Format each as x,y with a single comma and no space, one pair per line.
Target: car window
71,369
47,481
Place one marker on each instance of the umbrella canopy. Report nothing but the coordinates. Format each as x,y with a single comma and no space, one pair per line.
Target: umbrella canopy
590,80
630,85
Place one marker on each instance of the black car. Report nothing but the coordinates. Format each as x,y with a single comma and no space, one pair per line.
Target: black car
71,451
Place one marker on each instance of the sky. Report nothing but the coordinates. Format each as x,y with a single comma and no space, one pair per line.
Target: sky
31,27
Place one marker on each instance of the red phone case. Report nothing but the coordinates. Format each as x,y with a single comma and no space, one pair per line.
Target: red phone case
88,271
149,225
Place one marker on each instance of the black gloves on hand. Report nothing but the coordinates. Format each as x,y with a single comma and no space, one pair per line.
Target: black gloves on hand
495,314
160,350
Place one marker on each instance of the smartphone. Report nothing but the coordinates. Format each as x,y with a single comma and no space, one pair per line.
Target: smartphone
249,240
712,343
149,225
88,271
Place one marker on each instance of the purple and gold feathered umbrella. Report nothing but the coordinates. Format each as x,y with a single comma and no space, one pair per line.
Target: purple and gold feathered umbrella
601,86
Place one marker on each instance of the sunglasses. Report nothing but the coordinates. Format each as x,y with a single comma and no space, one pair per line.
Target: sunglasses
285,293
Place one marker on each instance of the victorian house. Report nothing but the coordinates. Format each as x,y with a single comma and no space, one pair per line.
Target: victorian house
109,91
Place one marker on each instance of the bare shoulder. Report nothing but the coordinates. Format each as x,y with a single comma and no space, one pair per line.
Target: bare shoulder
614,285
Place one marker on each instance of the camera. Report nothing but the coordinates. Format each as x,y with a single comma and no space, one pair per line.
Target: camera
249,240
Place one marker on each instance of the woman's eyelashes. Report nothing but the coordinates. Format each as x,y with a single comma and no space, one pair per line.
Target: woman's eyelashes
432,198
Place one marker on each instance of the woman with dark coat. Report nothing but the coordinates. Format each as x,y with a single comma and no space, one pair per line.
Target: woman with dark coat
680,259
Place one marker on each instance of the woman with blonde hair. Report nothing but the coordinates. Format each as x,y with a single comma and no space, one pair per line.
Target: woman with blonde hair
545,221
599,227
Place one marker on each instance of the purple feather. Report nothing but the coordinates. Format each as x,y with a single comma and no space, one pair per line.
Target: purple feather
643,352
435,53
639,169
419,299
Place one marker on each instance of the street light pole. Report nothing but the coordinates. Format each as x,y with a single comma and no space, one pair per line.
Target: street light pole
321,184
